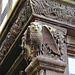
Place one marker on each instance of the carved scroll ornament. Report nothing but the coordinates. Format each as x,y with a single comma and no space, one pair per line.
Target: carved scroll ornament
55,10
16,28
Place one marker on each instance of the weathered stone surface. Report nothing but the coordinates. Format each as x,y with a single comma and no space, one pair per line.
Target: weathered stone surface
54,9
43,65
50,43
16,28
42,39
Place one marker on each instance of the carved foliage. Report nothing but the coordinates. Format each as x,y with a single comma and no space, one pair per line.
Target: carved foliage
55,10
17,26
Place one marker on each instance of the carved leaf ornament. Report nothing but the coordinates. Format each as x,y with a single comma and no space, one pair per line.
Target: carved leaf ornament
54,10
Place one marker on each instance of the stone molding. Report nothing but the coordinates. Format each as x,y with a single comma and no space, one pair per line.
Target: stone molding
16,28
41,62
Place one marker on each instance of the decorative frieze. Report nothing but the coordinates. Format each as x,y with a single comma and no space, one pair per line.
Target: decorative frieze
55,10
16,28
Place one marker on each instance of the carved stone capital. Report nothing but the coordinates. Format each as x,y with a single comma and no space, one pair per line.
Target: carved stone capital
50,42
54,9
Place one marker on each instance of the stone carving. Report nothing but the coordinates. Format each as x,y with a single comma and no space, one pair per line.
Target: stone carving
60,40
17,26
50,43
59,37
55,10
53,43
32,39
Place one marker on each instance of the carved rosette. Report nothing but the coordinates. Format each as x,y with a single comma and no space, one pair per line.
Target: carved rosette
16,28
